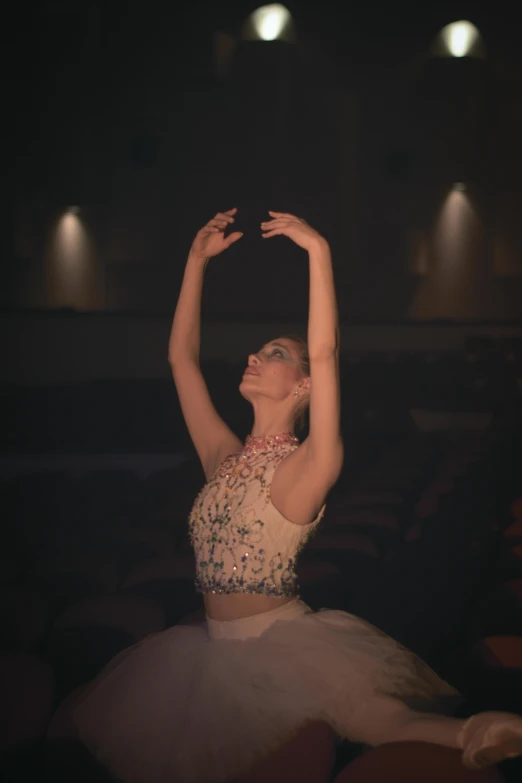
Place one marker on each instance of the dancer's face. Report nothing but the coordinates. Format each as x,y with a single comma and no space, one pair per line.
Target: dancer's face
274,371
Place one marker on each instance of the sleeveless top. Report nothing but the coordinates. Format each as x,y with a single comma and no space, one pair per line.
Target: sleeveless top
242,543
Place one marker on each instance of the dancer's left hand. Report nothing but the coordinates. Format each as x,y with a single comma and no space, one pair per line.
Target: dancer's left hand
292,227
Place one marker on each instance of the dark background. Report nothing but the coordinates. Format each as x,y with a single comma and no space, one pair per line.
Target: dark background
125,110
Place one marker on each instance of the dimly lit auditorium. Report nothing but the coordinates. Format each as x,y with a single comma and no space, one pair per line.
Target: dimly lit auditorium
261,458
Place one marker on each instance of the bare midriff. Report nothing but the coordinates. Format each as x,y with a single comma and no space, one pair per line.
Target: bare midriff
234,606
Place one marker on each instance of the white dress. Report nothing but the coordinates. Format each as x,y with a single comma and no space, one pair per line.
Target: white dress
201,704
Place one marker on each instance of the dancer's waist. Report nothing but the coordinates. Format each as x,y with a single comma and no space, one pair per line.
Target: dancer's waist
255,624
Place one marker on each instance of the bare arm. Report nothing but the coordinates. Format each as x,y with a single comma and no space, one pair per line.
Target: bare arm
324,441
185,335
308,474
212,438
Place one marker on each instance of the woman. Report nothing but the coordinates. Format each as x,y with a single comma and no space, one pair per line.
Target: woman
204,703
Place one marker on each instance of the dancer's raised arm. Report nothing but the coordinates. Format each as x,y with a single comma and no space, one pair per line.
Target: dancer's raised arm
318,461
212,437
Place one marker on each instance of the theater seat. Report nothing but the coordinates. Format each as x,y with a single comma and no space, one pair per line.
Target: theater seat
27,694
413,762
135,615
165,567
61,726
514,530
25,616
306,758
501,651
342,540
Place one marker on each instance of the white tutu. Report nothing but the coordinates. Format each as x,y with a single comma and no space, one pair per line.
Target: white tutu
201,704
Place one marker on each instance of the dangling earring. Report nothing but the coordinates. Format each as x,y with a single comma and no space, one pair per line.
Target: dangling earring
296,393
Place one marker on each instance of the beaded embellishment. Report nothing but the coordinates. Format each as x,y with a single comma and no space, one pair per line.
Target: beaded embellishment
263,442
241,541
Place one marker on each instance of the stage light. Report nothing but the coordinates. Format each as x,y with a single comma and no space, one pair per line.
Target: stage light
460,38
270,21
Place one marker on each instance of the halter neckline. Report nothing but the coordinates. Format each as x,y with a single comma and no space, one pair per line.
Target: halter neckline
270,441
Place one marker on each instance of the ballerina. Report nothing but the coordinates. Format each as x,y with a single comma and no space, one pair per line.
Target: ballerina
203,703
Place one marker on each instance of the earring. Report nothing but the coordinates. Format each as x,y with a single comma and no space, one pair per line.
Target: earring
296,393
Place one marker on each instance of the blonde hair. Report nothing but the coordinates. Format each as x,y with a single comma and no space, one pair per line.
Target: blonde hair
304,363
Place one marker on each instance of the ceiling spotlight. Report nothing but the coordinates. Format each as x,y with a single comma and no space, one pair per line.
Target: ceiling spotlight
270,21
460,38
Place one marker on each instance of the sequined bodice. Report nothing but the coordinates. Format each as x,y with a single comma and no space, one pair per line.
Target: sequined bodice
242,543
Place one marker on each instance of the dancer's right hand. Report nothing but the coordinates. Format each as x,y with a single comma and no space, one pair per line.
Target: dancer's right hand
210,240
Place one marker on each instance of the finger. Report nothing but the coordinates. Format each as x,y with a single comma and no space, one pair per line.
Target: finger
208,230
233,238
273,233
223,217
282,214
279,223
219,222
227,214
285,220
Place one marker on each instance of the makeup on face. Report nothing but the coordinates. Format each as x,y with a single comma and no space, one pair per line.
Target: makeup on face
278,350
274,351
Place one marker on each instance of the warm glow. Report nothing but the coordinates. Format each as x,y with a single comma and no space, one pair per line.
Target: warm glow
72,273
69,239
454,285
459,38
270,21
420,254
454,228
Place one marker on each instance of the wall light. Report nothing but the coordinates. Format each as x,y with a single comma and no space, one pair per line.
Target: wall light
72,269
457,279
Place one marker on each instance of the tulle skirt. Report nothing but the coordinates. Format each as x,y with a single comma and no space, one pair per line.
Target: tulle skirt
202,703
